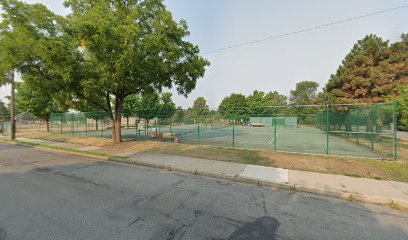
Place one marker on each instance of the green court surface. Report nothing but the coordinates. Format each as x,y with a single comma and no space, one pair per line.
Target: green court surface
358,130
289,139
292,139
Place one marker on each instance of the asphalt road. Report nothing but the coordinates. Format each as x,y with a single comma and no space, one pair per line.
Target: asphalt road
52,196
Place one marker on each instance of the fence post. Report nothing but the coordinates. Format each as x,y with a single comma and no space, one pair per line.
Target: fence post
171,129
372,129
395,130
61,124
102,124
136,131
198,132
146,125
327,128
86,125
358,133
233,129
274,132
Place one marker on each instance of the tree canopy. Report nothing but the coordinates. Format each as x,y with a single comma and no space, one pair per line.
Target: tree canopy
135,48
235,103
200,108
4,112
305,93
37,101
258,99
131,106
373,71
167,106
179,115
403,109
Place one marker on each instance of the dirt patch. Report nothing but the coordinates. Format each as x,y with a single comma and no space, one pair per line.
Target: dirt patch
89,141
356,167
129,148
98,142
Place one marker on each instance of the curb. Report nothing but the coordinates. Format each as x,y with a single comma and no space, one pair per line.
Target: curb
351,196
72,153
254,181
348,196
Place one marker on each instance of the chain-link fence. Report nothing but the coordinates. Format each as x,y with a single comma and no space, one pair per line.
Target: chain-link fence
25,122
93,124
346,130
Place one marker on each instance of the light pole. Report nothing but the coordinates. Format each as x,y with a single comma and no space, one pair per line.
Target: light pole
12,121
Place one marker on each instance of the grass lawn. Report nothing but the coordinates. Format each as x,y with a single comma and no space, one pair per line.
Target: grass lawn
356,167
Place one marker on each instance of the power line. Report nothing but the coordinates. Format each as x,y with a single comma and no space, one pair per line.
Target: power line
305,30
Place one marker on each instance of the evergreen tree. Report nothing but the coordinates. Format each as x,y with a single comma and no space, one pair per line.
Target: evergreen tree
373,71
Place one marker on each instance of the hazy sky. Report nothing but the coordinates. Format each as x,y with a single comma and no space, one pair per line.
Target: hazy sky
275,65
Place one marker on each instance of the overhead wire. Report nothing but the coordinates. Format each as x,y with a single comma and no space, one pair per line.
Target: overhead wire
305,29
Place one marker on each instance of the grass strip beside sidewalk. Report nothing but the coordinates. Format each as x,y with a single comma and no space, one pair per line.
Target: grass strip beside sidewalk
39,145
354,167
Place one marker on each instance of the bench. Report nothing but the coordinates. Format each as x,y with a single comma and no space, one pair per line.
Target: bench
257,124
154,136
168,136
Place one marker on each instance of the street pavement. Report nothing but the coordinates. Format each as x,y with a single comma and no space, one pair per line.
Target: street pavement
346,187
46,195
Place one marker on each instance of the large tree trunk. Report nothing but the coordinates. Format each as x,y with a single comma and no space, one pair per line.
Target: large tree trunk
48,125
117,121
117,130
115,116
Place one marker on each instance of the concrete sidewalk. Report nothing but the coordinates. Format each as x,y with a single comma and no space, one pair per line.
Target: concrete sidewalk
350,188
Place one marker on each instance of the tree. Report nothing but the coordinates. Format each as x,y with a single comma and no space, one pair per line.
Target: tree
149,105
403,110
4,112
40,103
255,102
258,102
130,107
167,106
179,115
373,71
235,103
305,93
135,48
200,109
275,99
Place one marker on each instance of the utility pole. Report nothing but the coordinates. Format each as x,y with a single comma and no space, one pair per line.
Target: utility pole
12,121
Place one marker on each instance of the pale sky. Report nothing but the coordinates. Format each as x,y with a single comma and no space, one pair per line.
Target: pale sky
278,64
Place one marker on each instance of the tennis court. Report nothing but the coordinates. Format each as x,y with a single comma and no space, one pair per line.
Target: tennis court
345,130
300,140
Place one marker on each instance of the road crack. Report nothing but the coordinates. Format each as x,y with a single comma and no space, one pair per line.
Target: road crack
82,180
135,221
